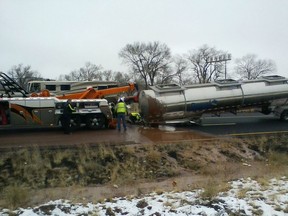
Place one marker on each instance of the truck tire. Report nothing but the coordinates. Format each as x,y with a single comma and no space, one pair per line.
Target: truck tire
284,115
96,122
75,122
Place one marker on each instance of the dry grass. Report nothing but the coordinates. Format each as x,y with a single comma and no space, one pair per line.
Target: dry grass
15,196
277,159
212,187
242,192
223,171
216,161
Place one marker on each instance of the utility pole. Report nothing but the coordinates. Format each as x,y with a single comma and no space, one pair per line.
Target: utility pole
221,58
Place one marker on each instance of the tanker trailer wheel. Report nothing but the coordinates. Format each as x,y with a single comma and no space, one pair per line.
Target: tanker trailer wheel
96,121
284,115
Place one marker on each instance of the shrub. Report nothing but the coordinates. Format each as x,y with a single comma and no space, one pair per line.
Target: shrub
210,190
15,196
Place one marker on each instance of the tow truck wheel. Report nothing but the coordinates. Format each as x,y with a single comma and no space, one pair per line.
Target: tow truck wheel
75,122
284,115
95,121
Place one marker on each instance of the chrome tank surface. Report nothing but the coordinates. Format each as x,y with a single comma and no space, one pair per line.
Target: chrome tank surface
170,102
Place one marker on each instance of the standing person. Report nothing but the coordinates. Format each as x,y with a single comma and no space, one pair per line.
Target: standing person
121,111
66,118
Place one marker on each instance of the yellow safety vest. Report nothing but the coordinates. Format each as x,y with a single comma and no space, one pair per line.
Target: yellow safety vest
121,107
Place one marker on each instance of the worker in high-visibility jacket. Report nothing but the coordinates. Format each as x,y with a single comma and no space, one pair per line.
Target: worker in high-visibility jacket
68,109
121,111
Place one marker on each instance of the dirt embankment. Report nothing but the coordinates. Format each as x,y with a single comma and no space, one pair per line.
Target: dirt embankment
93,172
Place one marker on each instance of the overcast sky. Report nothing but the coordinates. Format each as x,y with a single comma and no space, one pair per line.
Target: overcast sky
55,37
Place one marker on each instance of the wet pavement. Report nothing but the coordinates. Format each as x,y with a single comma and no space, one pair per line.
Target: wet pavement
134,135
171,134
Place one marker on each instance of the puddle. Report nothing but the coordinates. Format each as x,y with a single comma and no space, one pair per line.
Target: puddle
170,133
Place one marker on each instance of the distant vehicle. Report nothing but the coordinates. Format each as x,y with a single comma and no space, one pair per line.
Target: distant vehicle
61,87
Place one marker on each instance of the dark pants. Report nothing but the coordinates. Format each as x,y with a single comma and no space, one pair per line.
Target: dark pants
121,118
66,124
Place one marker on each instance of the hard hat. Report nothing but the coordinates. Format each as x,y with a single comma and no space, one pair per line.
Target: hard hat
121,99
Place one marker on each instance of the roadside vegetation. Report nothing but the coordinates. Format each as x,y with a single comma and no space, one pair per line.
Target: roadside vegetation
23,171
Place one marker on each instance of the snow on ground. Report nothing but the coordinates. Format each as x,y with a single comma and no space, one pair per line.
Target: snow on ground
245,197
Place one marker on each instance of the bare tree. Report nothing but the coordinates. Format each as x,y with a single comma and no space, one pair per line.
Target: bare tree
165,75
181,70
202,67
122,77
90,72
73,76
87,73
147,60
248,67
23,74
107,75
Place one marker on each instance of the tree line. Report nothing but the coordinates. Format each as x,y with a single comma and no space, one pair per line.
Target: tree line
152,63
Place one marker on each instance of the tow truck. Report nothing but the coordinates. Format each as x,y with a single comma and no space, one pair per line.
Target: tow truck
19,109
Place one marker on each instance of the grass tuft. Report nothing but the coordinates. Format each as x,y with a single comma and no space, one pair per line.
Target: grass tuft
15,196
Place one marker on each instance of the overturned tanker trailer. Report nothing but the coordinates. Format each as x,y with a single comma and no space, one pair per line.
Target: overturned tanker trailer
177,104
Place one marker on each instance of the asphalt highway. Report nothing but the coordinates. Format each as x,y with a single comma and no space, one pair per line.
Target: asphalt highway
241,124
226,125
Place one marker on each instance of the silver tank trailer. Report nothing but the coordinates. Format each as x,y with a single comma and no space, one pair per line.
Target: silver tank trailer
164,103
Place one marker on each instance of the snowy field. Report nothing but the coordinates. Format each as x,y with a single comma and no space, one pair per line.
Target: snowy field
245,197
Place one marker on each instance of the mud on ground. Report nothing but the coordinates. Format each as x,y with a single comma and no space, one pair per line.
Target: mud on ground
90,173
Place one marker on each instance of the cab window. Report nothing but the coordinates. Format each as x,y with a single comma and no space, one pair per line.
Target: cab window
51,87
65,87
